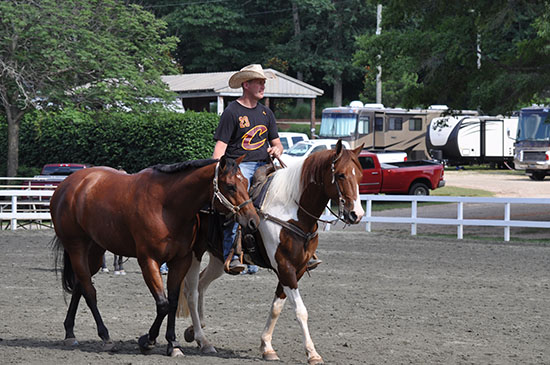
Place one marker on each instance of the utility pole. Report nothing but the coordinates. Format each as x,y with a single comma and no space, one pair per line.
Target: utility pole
379,68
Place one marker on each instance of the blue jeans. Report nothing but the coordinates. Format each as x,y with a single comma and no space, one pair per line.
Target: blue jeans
248,169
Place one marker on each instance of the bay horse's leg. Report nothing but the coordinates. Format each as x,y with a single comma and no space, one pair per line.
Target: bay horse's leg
195,290
70,338
302,316
192,296
177,270
85,259
266,347
151,274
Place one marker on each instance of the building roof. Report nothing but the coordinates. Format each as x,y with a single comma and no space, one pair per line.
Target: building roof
215,84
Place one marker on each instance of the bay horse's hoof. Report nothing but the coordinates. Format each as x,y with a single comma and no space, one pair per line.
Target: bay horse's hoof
315,361
108,345
270,356
70,342
145,346
189,334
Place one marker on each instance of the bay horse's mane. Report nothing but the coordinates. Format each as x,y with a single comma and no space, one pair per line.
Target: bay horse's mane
183,166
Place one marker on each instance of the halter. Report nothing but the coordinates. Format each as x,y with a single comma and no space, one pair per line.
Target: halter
225,202
341,200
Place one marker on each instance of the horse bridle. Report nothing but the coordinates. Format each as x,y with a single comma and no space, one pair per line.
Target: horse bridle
234,209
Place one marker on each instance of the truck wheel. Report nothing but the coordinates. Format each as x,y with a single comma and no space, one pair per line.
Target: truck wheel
537,176
419,189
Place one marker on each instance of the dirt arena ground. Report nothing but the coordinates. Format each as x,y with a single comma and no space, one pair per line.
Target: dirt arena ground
379,298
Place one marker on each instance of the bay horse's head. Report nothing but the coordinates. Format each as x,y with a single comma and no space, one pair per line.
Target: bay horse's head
231,193
343,182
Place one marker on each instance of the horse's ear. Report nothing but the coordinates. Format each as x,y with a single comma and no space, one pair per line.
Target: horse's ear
339,148
358,150
223,161
239,159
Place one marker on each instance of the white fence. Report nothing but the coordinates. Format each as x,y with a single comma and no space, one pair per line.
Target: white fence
30,205
458,221
24,205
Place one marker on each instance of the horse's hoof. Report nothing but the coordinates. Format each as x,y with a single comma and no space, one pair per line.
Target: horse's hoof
108,345
70,342
189,334
145,346
208,349
173,349
176,352
270,356
315,361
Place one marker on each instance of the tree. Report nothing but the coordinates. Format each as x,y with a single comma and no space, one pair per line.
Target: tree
89,54
486,55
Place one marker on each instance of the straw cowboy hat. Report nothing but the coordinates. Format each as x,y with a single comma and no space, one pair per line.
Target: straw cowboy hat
248,73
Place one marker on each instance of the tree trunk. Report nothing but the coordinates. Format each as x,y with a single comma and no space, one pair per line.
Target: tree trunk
337,91
13,144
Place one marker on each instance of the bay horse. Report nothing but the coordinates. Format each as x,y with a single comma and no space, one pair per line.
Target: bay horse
150,215
295,200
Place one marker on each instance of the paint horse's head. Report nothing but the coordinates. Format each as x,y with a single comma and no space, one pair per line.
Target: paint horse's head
342,182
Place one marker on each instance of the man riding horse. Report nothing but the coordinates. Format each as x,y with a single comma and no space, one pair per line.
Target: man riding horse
248,128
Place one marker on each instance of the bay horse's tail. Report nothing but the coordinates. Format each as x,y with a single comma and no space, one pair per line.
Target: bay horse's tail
67,273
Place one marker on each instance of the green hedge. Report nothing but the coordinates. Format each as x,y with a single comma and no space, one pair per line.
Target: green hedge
129,140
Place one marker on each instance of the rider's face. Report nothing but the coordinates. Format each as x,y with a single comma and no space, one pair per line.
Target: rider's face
255,88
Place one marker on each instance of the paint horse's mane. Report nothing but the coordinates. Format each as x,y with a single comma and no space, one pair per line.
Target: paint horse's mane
282,189
183,166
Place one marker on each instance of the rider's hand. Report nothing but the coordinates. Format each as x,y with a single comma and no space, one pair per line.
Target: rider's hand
274,151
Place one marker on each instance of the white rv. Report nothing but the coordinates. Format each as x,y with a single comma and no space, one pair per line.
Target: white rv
465,140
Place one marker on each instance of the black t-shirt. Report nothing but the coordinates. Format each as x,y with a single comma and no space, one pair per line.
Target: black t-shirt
247,131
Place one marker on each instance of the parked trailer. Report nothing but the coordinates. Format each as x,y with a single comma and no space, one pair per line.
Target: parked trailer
466,140
381,128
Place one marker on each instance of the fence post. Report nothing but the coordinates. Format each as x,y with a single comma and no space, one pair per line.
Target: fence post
13,211
368,215
413,216
460,216
507,219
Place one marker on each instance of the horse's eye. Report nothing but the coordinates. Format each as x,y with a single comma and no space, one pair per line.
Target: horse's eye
341,176
232,188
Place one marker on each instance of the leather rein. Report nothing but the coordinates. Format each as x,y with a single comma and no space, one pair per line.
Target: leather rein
308,236
234,209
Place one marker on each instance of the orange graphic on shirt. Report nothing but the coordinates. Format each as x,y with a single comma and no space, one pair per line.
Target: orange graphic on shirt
247,138
244,122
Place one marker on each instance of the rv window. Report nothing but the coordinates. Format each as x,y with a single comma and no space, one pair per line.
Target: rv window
415,124
335,125
364,124
396,124
379,124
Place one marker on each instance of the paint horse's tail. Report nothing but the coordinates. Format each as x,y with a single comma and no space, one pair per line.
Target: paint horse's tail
67,273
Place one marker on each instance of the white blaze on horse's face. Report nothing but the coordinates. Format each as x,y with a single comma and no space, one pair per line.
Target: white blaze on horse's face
357,206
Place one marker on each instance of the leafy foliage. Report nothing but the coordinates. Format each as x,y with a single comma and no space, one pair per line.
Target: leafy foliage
436,45
132,141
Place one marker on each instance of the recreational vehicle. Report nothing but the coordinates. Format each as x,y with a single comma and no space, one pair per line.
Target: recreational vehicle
465,140
381,128
533,142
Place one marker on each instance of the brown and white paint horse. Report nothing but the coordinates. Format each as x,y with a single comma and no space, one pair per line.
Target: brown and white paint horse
297,195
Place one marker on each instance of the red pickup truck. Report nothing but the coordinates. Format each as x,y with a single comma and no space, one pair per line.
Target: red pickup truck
52,174
408,177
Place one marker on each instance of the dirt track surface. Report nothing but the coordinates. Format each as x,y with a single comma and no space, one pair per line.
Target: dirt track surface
501,184
379,298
